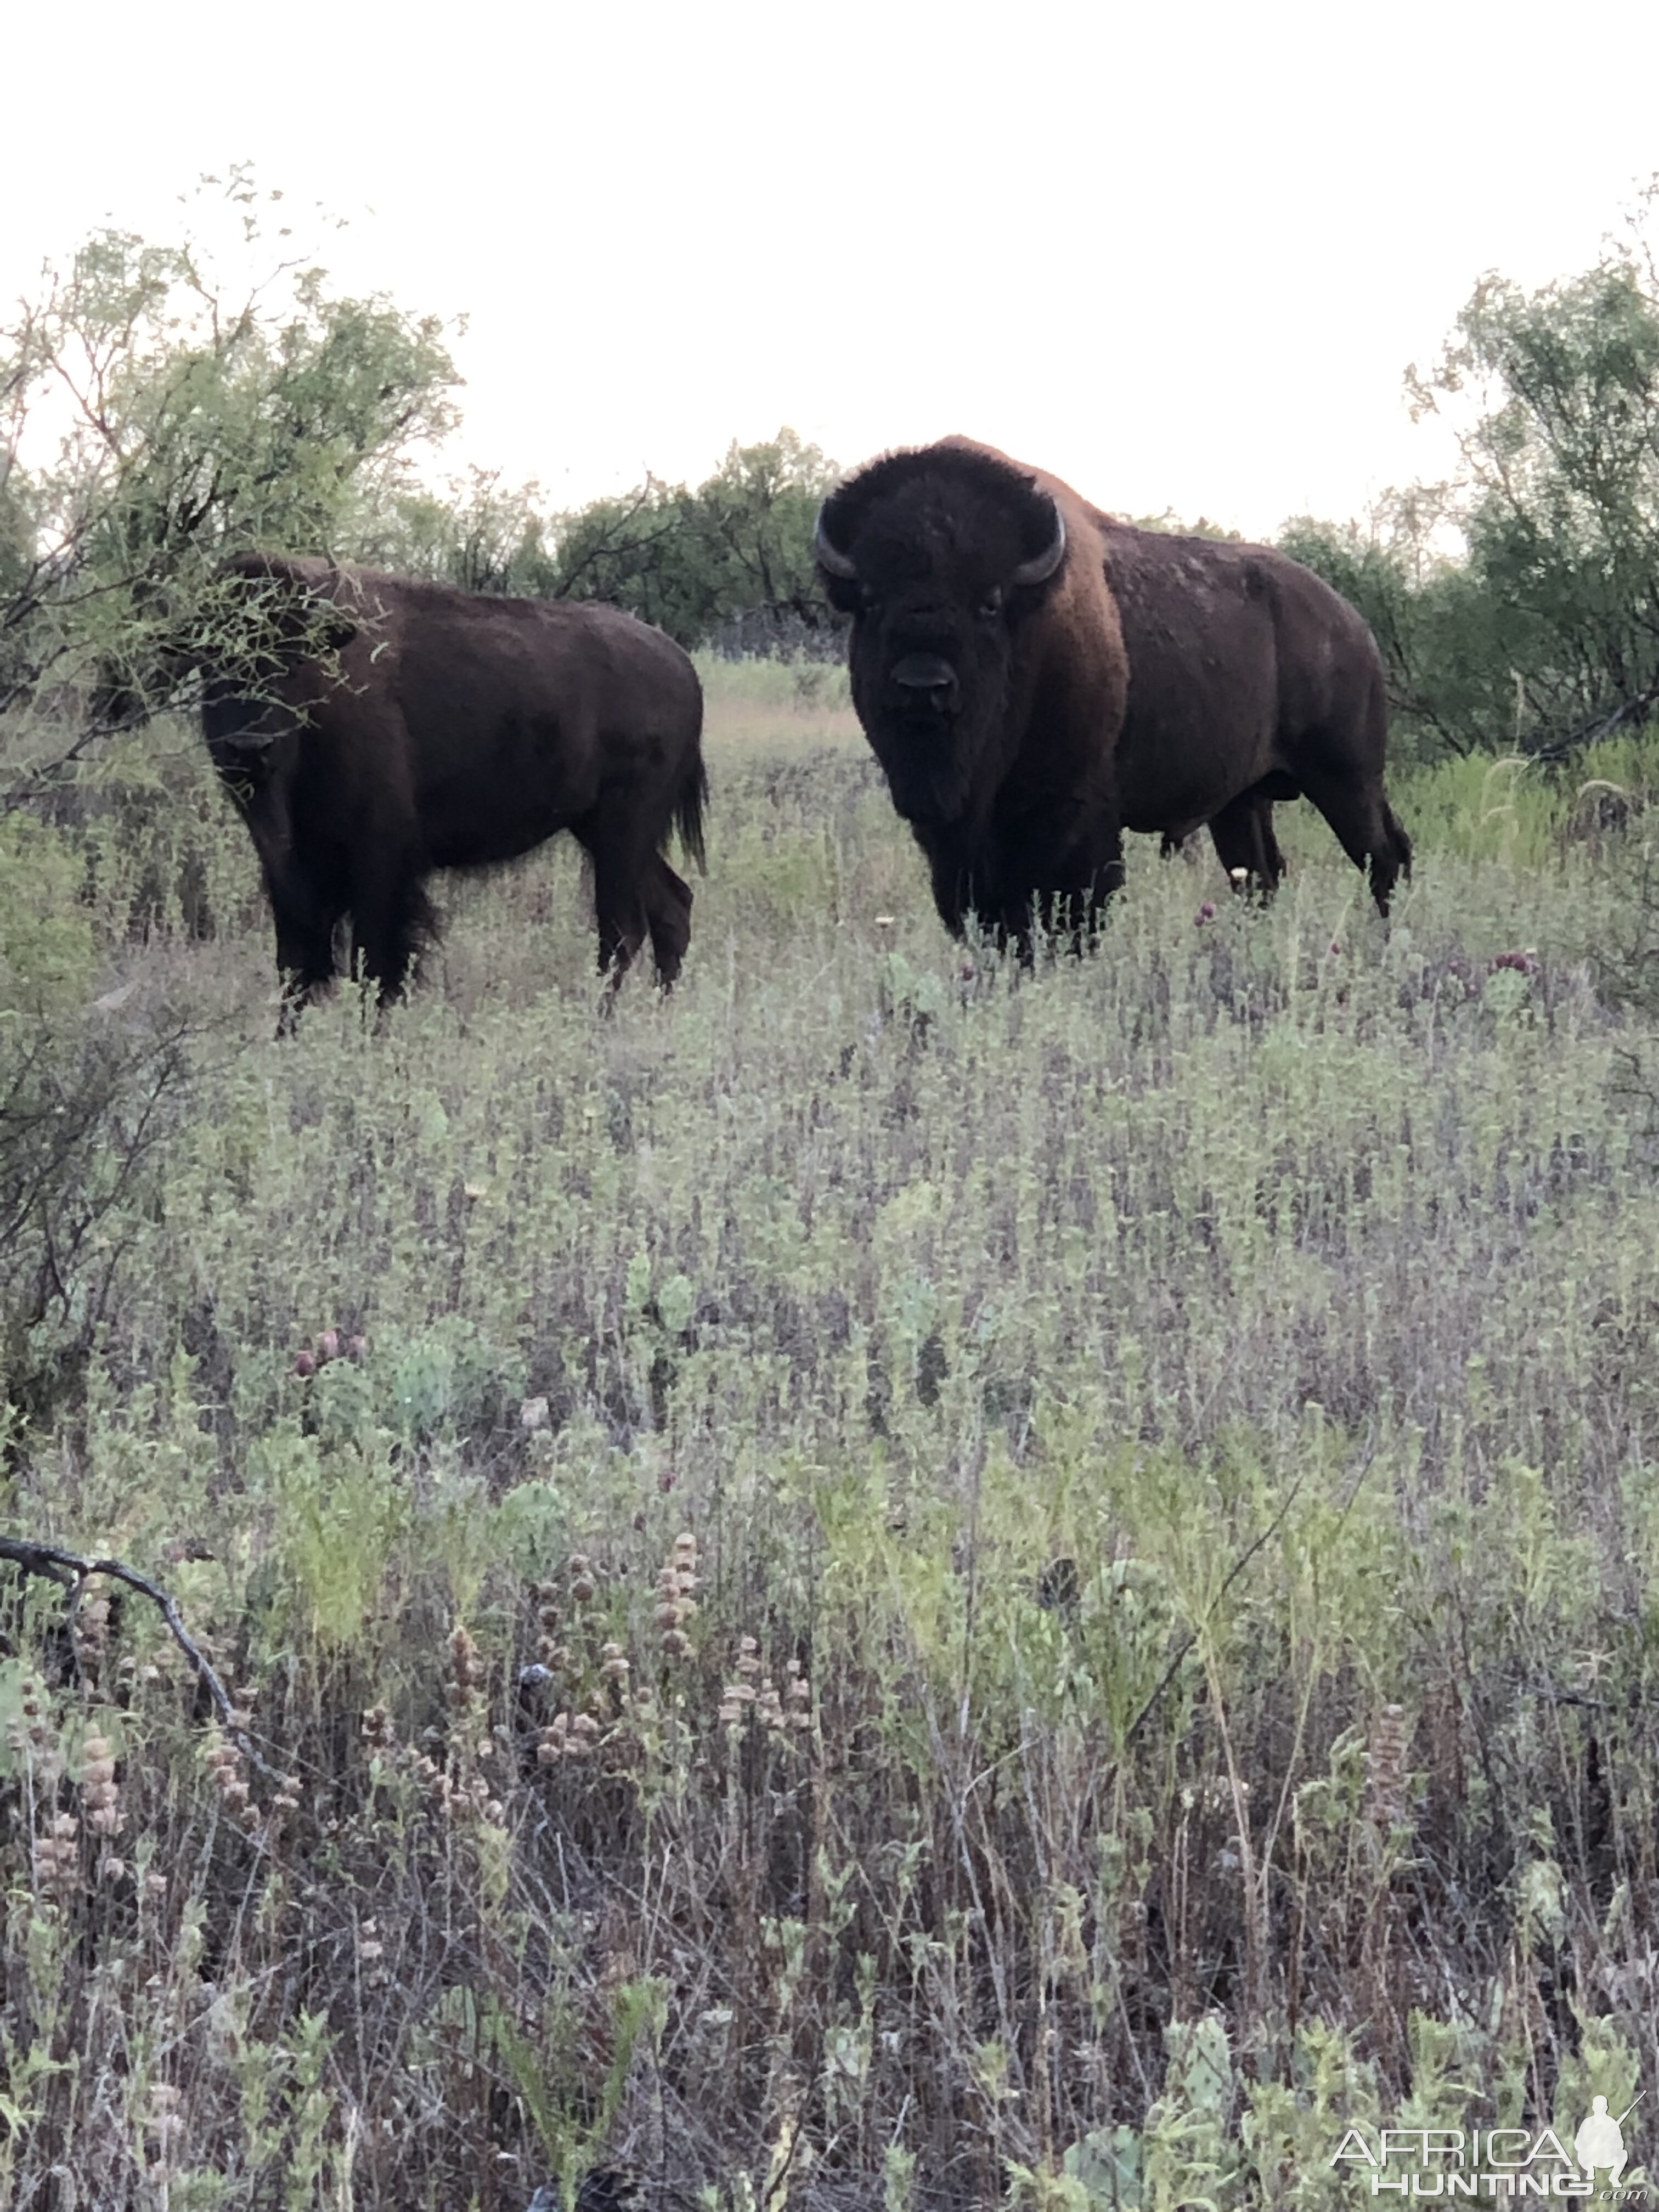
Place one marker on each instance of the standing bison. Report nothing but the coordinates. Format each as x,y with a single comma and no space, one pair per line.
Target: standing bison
371,729
1036,679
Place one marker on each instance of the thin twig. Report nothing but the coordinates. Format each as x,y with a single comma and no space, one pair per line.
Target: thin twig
1231,1577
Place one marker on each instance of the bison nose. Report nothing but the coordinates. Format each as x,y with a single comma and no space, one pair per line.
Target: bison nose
925,676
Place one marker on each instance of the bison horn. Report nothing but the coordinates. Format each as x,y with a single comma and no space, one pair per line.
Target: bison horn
831,558
1039,570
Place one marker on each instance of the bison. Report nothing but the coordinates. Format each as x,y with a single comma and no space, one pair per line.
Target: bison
1035,677
375,728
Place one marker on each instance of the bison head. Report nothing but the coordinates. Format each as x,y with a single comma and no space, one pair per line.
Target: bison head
941,557
267,620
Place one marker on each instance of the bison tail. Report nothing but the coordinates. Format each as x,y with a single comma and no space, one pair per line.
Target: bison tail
1397,837
423,922
692,797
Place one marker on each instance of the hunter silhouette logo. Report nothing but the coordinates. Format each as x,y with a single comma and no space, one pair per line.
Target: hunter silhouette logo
1600,2140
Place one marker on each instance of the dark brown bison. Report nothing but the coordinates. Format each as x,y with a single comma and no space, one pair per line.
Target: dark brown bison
1036,679
379,728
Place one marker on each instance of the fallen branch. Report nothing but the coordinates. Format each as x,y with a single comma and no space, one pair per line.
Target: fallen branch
1634,710
70,1572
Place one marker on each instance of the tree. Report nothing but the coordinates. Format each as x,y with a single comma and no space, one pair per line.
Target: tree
755,519
1560,497
637,551
480,533
158,409
732,558
737,550
1518,604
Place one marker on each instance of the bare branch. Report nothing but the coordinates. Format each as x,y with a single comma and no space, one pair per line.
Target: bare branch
71,1570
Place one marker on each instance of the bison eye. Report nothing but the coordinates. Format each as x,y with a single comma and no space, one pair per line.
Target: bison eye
869,601
991,606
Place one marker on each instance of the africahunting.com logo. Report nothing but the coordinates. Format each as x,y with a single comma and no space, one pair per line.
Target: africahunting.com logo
1494,2163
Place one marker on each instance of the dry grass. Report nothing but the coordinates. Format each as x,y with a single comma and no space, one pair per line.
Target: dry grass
926,1590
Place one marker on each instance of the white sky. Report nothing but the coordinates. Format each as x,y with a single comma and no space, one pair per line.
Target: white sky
1180,254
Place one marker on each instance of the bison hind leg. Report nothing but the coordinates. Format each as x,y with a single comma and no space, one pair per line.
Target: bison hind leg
668,916
620,910
623,928
627,888
1242,835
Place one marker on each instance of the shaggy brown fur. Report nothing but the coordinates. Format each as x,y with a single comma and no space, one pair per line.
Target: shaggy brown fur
397,727
1152,682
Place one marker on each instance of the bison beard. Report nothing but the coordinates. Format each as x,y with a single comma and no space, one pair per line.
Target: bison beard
1036,679
395,728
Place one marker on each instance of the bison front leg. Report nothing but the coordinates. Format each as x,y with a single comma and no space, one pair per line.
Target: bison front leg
307,901
305,963
306,924
1072,918
969,910
392,920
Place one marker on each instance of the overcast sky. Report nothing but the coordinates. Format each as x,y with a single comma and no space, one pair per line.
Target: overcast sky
1179,254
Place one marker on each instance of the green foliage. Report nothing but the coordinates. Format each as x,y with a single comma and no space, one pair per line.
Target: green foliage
48,951
87,1092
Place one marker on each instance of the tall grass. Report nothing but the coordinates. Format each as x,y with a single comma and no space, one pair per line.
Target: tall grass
884,1583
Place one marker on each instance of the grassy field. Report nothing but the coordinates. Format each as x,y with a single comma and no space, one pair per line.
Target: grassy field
899,1586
